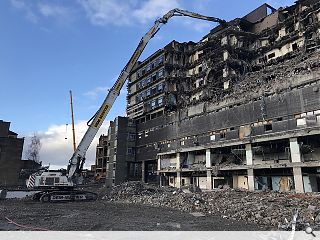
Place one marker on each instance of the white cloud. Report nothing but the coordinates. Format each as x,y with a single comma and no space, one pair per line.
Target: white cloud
197,25
33,11
102,91
102,12
18,4
48,10
152,9
121,12
26,8
93,94
57,148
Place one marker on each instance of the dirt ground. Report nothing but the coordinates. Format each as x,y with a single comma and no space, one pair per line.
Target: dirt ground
105,216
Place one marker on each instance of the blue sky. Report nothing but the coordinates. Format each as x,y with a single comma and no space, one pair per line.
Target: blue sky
51,46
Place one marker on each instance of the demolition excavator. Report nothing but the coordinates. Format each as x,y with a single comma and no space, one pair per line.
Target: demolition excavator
55,186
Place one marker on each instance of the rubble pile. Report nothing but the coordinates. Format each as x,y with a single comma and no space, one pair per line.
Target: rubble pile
276,77
264,208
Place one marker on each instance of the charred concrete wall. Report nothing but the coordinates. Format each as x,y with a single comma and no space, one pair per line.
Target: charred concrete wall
258,73
241,104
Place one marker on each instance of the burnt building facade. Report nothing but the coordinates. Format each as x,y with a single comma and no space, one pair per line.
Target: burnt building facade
241,107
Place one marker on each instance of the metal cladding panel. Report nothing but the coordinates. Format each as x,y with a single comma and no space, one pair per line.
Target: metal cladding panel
232,135
188,143
280,126
146,153
292,124
294,102
204,139
259,130
311,98
151,123
277,106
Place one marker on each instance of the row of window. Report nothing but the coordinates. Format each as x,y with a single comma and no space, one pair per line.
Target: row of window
150,79
154,103
150,66
150,92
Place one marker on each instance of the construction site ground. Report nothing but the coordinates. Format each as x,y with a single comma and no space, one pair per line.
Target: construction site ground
134,206
107,216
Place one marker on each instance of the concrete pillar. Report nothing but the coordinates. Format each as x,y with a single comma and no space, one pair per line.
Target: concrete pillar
249,155
295,150
209,180
159,163
250,180
208,166
298,180
249,162
178,167
143,174
178,161
178,179
208,158
160,179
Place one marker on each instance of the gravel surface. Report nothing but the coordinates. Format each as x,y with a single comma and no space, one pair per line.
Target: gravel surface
108,216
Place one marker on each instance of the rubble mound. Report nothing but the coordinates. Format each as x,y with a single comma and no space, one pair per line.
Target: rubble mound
264,208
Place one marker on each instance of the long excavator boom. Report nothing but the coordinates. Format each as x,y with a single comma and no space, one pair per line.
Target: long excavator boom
77,160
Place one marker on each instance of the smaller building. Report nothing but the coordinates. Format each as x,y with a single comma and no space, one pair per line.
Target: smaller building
13,170
115,154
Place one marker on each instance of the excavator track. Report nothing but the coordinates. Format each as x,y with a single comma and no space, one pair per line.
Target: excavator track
65,196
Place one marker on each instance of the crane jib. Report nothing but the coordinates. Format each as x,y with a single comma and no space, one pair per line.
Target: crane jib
101,116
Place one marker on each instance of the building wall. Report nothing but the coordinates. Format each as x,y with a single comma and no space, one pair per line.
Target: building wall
255,82
11,149
115,152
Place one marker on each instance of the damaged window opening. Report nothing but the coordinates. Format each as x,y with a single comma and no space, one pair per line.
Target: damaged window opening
160,73
222,135
272,55
154,77
268,127
294,47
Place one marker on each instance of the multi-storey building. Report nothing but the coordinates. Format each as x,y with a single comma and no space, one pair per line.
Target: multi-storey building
149,97
241,107
115,161
100,167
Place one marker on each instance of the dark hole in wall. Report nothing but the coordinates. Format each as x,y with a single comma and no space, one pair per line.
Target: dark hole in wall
271,55
294,47
268,127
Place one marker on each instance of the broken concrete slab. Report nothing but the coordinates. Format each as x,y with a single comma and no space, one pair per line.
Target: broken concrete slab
197,214
3,194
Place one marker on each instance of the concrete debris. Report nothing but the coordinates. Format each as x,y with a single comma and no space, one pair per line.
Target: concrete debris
170,224
3,194
197,214
264,208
